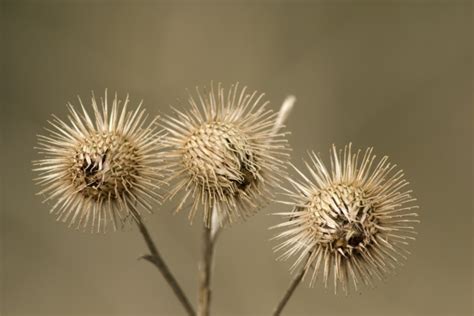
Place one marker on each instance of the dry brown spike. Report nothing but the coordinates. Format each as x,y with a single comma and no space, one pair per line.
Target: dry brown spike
224,152
101,169
350,223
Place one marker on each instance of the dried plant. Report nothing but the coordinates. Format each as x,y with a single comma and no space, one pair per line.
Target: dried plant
224,153
100,170
352,223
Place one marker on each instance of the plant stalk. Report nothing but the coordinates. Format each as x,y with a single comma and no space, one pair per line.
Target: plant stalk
209,236
155,258
289,291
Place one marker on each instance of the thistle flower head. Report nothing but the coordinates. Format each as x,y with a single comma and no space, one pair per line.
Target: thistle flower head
224,152
351,223
99,170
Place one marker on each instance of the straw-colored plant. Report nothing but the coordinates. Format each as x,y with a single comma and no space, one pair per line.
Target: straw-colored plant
226,156
352,222
225,153
103,169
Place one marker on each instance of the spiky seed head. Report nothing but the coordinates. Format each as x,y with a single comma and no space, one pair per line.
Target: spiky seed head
100,170
224,153
351,223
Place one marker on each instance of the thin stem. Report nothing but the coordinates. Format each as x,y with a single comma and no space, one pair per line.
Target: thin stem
286,297
156,259
209,237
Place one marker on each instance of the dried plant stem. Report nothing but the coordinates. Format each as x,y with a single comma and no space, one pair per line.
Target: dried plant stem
155,258
289,291
209,237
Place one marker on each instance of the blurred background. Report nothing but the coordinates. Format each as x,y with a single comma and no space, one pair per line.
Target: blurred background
396,76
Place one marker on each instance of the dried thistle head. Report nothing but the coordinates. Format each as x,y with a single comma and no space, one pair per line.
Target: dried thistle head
351,223
99,170
225,153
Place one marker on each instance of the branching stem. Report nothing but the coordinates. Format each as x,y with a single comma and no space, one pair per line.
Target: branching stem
155,258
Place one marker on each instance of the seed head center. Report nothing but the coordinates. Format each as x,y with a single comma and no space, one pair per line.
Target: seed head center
220,158
342,218
105,165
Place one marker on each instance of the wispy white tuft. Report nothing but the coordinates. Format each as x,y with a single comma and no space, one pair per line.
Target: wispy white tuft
284,112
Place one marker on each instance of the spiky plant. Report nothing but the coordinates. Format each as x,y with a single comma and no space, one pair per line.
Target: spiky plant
101,169
352,222
224,152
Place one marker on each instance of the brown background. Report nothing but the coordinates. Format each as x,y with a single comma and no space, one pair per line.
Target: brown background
396,76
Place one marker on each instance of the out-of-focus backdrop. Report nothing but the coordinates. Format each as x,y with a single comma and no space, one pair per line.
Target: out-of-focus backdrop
395,75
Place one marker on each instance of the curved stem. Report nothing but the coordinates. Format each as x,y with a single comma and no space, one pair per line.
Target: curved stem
155,258
289,291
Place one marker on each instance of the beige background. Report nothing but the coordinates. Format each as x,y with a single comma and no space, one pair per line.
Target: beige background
396,76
